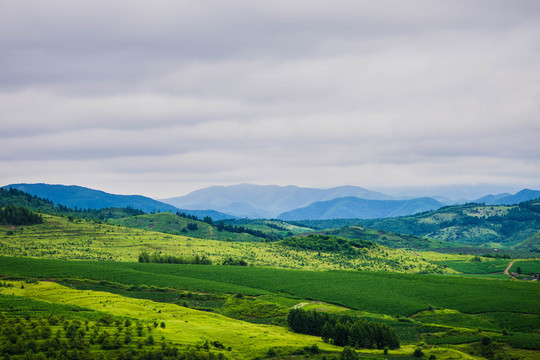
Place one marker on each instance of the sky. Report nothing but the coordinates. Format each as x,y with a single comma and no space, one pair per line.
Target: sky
162,98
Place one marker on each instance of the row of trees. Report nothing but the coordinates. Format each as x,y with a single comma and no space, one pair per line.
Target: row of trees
17,215
343,330
144,257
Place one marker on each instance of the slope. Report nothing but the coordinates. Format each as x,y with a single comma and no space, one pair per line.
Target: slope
474,224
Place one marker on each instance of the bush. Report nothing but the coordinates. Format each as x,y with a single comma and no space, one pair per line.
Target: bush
418,353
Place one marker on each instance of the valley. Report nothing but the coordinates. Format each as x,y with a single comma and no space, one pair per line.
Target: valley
121,284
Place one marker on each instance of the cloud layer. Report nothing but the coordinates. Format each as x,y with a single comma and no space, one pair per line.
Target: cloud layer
165,97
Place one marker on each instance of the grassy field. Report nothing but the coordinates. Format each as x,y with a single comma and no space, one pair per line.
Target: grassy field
59,238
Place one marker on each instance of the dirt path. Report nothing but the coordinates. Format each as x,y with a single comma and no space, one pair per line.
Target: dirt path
508,268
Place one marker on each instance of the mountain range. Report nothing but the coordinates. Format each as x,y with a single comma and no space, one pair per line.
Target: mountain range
262,201
265,201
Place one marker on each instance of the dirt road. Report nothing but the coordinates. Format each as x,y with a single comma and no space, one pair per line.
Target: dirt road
508,268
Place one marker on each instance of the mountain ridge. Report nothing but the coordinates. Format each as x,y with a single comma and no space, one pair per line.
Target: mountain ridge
255,201
509,199
358,208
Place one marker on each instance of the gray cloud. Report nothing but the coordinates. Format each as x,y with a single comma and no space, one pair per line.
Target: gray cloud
127,95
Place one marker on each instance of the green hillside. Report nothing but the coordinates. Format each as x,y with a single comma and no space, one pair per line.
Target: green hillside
472,224
530,244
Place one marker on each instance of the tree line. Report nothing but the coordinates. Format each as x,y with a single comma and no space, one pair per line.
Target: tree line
343,330
17,215
144,257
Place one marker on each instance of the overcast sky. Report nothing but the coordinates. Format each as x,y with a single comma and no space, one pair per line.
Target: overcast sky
160,98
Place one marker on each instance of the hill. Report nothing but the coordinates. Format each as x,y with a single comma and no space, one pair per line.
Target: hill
84,198
356,208
264,201
191,226
475,224
508,199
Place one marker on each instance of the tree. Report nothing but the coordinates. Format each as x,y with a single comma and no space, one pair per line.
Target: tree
518,270
348,354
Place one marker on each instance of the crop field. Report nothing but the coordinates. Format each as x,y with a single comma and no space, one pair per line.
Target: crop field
385,293
58,238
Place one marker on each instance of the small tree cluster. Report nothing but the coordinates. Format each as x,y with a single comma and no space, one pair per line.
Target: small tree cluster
343,330
144,257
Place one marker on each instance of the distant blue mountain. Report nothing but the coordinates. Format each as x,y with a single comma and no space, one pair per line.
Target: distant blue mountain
356,208
264,201
85,198
508,199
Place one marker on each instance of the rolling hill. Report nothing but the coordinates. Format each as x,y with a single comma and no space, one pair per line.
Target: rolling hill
353,207
264,201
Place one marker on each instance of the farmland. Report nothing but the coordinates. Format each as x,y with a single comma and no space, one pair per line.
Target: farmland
385,293
87,271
